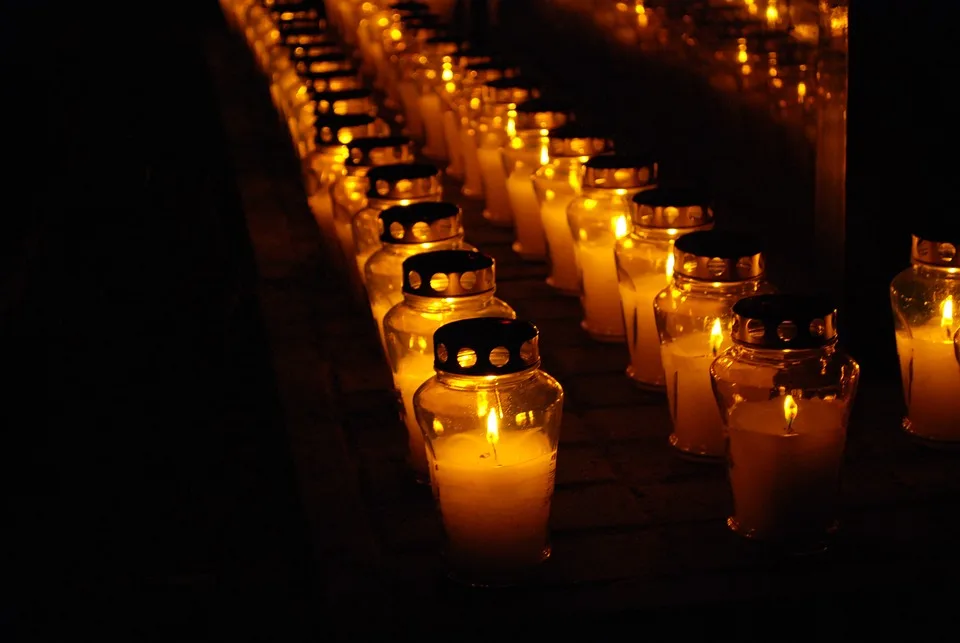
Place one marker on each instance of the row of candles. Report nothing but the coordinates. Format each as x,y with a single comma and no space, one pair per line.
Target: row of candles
753,378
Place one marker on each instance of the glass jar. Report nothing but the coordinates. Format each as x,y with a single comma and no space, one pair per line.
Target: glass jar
401,46
956,345
408,230
523,153
284,79
645,267
926,310
598,218
438,287
712,271
784,391
302,104
389,185
340,102
268,28
491,421
556,183
325,161
418,72
349,190
488,130
434,68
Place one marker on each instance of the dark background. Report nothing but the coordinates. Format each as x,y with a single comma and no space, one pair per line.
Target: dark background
147,480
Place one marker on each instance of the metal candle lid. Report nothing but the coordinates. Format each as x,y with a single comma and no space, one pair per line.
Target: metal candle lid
936,248
303,36
301,26
619,171
542,113
403,181
410,6
320,81
784,322
448,273
314,51
671,207
322,62
716,255
370,151
573,139
509,89
336,102
420,222
340,129
484,346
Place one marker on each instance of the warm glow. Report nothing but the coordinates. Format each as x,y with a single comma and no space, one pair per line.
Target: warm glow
383,21
345,137
716,337
511,127
946,315
544,154
396,34
493,427
742,56
670,263
483,406
589,204
773,15
451,87
620,228
801,91
437,426
790,410
447,75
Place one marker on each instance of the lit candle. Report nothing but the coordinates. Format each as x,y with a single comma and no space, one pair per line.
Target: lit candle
931,378
531,243
413,371
637,295
601,293
433,124
451,135
494,180
697,425
472,183
564,272
784,462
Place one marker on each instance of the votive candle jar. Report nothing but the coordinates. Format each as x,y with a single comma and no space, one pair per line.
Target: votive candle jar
645,264
784,390
438,287
491,421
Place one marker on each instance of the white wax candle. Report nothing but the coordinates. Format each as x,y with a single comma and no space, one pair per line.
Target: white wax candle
410,100
603,315
564,274
433,125
531,242
785,484
495,509
931,383
472,184
643,339
411,373
494,178
451,135
697,426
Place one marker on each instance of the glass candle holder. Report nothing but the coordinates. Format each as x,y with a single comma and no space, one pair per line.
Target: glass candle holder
956,345
926,310
525,150
325,161
598,218
498,99
387,186
408,230
296,41
266,32
302,102
401,44
435,69
556,183
784,391
438,287
712,271
491,420
645,267
349,190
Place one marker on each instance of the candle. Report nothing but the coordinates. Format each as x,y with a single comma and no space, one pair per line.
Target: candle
564,273
410,100
433,125
472,184
451,134
697,426
494,180
931,379
531,242
494,495
603,313
784,461
643,340
411,373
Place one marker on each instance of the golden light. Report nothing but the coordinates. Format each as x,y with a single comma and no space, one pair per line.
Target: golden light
437,426
773,15
589,204
742,56
790,410
670,263
446,75
946,315
511,127
396,34
620,228
483,406
801,91
493,427
716,337
544,154
345,137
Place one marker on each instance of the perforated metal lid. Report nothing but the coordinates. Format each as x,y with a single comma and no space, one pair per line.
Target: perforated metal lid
484,346
672,207
718,255
332,102
313,50
619,171
423,222
509,89
322,62
340,129
784,322
573,139
403,181
448,273
937,243
370,151
542,113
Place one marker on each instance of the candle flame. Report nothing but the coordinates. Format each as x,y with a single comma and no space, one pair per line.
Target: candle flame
544,153
493,428
620,228
511,124
447,74
671,260
790,410
716,337
946,315
773,15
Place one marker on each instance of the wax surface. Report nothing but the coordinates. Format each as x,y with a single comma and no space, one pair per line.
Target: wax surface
564,274
494,180
531,241
495,511
785,485
931,383
603,315
697,425
411,373
643,340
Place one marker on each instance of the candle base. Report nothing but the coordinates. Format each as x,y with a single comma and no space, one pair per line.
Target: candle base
562,289
695,456
517,247
488,574
606,338
794,543
927,441
653,387
497,220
